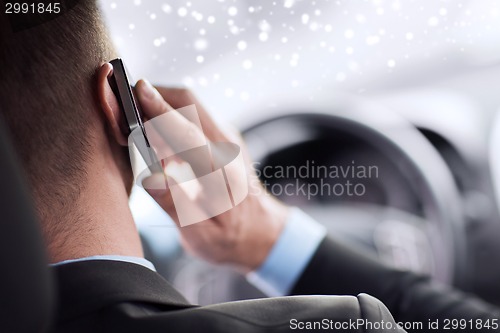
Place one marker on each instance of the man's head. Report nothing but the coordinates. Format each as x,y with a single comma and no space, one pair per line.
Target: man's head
57,104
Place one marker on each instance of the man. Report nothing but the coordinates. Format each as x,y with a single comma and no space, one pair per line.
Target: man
65,122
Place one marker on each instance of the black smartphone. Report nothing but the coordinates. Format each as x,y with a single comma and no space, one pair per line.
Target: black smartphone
124,92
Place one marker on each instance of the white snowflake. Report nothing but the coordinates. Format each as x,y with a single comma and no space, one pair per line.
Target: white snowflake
234,30
264,25
242,45
305,18
314,26
232,11
182,11
289,3
197,16
200,44
166,8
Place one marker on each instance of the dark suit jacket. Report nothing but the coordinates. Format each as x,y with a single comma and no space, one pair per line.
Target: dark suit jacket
339,269
112,296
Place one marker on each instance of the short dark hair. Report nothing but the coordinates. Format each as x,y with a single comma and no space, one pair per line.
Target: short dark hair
48,97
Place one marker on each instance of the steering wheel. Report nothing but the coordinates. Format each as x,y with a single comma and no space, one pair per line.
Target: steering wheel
410,218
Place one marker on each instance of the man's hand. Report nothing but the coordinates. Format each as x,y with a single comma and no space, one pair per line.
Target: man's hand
242,236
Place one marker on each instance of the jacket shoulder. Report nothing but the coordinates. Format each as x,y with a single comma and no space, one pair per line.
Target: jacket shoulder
281,314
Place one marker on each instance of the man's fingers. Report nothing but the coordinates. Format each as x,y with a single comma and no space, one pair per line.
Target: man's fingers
150,99
179,97
166,126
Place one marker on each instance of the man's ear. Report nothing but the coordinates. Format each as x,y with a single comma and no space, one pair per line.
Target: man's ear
109,104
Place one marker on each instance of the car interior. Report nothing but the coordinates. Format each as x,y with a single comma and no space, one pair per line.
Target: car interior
431,205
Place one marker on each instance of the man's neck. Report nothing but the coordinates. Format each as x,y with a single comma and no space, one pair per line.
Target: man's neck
104,226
